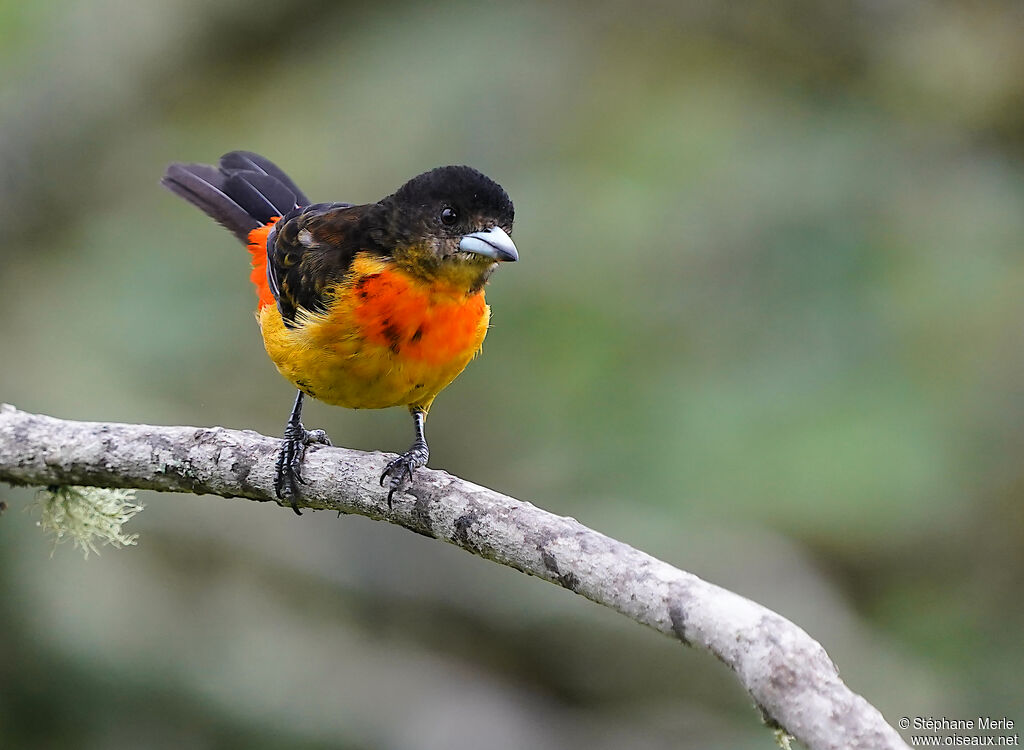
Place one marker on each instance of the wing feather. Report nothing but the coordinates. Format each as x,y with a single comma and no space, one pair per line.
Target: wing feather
310,250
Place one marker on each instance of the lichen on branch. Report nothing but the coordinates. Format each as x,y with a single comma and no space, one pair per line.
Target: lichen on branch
87,516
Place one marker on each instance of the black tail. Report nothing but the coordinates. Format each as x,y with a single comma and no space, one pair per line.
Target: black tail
242,193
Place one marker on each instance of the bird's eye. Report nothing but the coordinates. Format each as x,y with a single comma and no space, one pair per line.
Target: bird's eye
449,216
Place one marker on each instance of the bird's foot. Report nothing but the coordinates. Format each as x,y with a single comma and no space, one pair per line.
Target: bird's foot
402,467
289,461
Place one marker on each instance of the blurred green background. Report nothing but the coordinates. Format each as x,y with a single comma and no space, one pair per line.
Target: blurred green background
767,326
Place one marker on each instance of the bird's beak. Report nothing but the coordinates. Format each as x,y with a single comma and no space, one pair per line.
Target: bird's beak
493,243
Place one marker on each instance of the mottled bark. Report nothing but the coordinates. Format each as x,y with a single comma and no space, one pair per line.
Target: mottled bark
788,674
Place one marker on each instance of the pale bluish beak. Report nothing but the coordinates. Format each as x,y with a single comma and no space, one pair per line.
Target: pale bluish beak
493,243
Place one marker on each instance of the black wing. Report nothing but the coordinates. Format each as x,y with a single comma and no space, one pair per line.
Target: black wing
311,249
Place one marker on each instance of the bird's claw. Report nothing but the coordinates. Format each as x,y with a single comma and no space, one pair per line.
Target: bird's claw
315,436
289,461
401,469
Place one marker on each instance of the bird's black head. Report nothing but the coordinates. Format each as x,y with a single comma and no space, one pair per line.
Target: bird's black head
454,221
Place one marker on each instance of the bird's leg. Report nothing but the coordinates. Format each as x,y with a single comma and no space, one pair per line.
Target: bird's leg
402,467
289,460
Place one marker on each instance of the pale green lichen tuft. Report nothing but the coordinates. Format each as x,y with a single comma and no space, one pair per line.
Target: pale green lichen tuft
782,737
88,516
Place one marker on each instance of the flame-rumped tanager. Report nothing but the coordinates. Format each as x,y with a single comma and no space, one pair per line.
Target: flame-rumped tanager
364,306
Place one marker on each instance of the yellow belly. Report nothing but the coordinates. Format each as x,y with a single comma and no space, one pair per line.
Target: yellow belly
387,339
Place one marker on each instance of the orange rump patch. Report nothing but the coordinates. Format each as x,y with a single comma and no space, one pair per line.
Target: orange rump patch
258,251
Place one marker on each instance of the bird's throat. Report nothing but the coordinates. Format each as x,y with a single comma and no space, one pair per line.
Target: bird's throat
458,274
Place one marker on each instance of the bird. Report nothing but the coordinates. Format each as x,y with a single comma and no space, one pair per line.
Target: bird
365,306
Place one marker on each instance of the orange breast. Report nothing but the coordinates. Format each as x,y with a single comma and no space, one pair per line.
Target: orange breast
428,324
387,339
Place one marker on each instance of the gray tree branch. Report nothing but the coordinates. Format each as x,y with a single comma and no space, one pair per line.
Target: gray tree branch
787,673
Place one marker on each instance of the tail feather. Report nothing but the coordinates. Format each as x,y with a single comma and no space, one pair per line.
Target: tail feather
245,192
247,161
194,183
262,196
